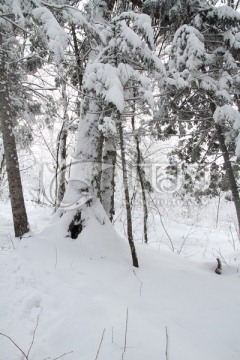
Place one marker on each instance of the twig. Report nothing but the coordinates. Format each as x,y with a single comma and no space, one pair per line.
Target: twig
141,283
218,208
167,341
223,260
8,337
26,356
70,352
233,241
56,254
100,344
184,240
125,338
33,337
112,336
164,228
11,239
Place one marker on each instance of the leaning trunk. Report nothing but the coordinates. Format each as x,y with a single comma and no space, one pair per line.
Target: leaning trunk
14,179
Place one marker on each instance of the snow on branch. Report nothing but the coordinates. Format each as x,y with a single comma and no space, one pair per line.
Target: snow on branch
224,13
227,114
17,11
130,42
58,38
127,73
103,79
76,17
232,39
108,126
188,48
141,23
108,83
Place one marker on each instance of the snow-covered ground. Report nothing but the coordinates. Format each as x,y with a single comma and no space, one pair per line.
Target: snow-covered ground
82,298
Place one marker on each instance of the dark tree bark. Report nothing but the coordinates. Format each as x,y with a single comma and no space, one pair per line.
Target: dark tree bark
228,166
2,167
63,156
78,58
14,179
127,197
108,177
229,171
142,183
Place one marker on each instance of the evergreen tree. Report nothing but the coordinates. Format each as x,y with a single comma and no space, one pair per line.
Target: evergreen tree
27,32
203,85
122,57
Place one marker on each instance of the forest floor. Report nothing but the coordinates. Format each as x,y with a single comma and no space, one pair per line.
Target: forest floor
82,300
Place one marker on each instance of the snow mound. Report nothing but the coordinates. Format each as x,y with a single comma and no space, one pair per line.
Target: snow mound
85,289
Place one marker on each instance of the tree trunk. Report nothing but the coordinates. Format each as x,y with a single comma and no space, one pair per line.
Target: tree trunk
108,174
229,171
81,196
62,150
141,180
82,185
84,182
62,164
79,68
228,166
2,164
127,197
14,179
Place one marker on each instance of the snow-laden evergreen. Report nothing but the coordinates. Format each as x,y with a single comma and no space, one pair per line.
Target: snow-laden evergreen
203,81
125,60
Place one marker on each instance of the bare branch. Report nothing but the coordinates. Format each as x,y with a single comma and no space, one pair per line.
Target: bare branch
100,344
125,338
8,337
167,341
33,337
59,357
